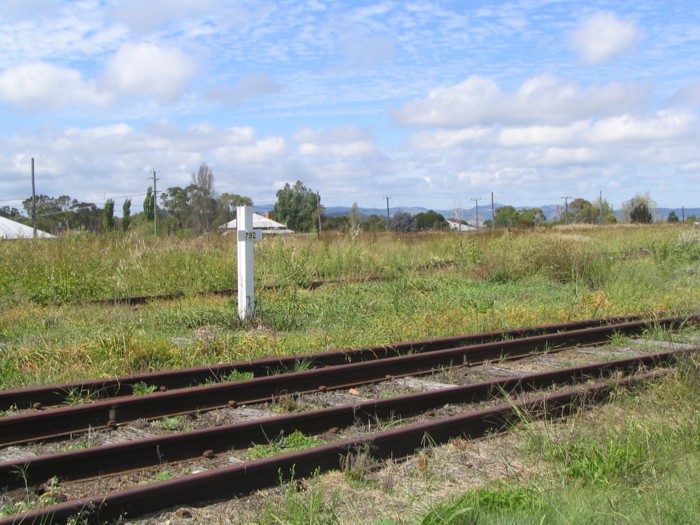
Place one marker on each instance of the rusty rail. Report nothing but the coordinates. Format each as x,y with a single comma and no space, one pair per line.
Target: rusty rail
122,457
60,421
239,480
56,394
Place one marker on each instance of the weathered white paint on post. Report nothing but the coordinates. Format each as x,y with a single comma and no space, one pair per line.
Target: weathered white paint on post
246,285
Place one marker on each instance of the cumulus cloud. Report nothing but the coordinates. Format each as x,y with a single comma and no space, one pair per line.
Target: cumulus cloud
479,101
345,141
40,85
147,70
603,36
116,159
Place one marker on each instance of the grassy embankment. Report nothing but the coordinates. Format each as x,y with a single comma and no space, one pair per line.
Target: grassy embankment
432,285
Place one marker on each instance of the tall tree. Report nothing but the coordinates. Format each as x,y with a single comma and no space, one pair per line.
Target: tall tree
296,206
149,205
203,198
108,215
126,215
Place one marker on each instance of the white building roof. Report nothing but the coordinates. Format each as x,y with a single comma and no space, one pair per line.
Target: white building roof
260,223
455,225
10,229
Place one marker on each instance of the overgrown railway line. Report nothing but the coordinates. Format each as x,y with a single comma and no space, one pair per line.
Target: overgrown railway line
419,415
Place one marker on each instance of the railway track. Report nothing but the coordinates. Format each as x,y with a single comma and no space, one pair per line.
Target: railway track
420,411
57,394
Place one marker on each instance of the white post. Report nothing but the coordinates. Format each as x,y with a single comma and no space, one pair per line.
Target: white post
246,286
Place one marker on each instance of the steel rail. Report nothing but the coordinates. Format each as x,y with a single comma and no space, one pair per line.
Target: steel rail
235,481
61,421
56,394
122,457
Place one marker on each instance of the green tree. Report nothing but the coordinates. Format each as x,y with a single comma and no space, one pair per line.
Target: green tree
203,198
108,215
149,205
374,223
638,209
530,217
176,202
672,217
430,220
506,217
641,213
227,204
10,213
295,207
126,215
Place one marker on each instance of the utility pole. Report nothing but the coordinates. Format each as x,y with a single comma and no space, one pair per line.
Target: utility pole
33,200
493,214
387,212
477,199
682,213
318,212
566,209
600,205
155,205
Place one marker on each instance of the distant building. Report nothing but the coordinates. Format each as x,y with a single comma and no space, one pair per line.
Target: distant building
10,229
460,226
260,222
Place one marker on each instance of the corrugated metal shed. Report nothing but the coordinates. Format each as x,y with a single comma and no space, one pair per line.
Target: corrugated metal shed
10,229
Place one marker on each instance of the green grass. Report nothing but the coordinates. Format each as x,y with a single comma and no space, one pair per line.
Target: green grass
549,276
642,469
168,423
636,463
142,389
293,442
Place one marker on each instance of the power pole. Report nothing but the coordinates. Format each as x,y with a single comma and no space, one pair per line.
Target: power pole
477,199
493,214
387,212
155,205
566,209
318,211
33,200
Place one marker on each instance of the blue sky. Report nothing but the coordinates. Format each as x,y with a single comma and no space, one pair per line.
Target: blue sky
433,103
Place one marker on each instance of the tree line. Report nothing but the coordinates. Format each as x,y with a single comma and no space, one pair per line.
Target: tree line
197,208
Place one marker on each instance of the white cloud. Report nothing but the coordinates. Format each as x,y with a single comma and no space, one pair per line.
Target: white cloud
602,36
545,98
662,126
147,70
345,141
39,85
